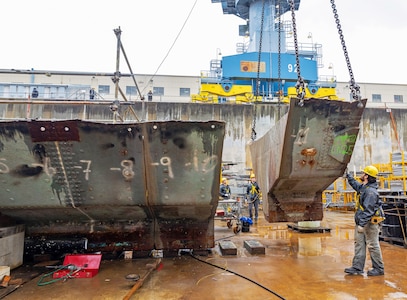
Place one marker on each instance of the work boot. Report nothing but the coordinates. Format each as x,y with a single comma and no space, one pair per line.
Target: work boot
353,271
375,272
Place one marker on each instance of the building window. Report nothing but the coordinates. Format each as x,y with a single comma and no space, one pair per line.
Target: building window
104,89
21,91
53,91
184,92
398,98
376,98
13,91
61,92
131,90
158,91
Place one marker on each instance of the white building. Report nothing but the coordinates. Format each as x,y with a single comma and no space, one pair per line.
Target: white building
165,88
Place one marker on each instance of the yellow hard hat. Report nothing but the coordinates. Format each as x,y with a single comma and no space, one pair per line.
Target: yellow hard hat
224,179
371,171
252,176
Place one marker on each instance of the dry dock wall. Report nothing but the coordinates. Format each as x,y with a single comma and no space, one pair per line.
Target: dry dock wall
381,131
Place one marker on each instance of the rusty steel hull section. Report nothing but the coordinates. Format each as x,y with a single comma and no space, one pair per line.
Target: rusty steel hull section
144,185
305,152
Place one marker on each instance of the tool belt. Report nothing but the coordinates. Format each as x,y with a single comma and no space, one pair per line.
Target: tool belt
378,217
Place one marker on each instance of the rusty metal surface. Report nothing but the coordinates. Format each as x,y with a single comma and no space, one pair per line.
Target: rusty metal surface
149,185
307,150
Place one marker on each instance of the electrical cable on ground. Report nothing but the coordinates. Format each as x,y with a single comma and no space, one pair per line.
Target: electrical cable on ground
241,276
213,274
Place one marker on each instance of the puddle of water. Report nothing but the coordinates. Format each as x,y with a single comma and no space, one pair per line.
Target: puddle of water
397,295
310,246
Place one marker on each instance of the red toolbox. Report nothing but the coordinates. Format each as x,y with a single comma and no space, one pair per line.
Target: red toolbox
79,266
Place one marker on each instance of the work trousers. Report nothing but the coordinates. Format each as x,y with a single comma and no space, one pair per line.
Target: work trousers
254,204
370,239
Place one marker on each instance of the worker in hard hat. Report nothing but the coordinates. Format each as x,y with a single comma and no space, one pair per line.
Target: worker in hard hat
92,94
224,189
253,197
368,205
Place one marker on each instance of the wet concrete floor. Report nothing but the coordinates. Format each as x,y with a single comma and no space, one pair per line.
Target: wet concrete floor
295,266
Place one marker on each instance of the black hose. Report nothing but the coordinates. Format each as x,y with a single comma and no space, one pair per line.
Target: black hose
241,276
224,238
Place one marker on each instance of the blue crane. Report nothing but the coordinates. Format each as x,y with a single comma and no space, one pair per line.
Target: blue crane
265,68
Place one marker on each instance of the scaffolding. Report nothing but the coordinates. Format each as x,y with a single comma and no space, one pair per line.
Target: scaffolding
398,178
339,196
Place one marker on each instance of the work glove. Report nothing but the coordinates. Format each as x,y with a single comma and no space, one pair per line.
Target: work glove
360,229
346,173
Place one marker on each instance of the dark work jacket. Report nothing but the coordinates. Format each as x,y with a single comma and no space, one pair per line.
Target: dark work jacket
254,195
34,93
369,200
224,191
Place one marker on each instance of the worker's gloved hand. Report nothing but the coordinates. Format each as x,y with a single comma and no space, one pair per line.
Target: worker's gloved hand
346,173
360,229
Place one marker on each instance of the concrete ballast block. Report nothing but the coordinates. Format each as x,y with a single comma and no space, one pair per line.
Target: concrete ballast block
254,247
227,248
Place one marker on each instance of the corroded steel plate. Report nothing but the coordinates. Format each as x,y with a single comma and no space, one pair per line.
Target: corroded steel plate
306,151
149,185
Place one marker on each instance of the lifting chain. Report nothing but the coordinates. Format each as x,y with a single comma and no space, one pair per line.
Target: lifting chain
300,86
254,134
260,46
355,89
279,52
279,87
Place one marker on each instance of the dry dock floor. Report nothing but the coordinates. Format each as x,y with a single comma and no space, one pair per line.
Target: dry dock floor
295,266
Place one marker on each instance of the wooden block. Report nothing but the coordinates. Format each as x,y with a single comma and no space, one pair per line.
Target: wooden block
17,281
254,247
5,281
227,248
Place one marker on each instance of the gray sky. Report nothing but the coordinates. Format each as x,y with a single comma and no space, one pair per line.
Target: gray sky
78,36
